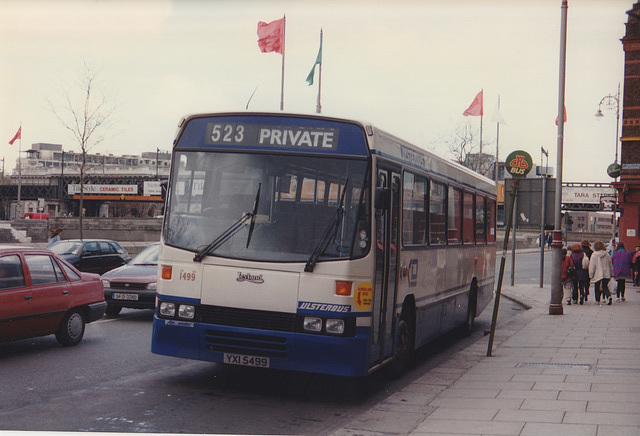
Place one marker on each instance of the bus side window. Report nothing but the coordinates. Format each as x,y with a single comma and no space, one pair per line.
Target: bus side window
468,220
437,213
454,227
480,220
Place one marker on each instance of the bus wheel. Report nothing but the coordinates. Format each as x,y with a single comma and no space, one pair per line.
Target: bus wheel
471,309
405,345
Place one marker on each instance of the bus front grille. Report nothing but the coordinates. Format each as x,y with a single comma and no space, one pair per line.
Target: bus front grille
241,343
246,318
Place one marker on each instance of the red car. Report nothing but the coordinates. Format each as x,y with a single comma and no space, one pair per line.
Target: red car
41,294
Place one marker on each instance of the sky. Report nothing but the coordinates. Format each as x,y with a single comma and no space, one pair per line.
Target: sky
408,67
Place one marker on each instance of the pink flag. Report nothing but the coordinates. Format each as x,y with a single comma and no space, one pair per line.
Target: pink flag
565,115
18,135
271,36
475,109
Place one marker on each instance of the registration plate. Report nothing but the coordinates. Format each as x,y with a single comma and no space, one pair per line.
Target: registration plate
243,360
121,296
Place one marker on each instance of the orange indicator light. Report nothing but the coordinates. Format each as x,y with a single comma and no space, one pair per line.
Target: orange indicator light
343,287
166,272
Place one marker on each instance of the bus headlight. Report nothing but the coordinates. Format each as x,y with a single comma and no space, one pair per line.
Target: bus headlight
312,324
335,326
167,309
186,311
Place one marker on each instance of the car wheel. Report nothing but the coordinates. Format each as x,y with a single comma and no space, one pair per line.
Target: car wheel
113,310
71,328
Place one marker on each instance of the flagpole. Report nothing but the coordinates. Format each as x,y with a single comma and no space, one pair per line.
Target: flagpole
497,142
284,32
481,117
318,105
18,214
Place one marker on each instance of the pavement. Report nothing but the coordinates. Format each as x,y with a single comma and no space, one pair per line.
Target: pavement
571,374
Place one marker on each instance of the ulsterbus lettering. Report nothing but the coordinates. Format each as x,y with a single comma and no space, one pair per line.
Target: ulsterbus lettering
252,278
339,308
297,137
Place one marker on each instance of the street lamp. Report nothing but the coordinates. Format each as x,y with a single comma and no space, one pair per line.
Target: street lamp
611,102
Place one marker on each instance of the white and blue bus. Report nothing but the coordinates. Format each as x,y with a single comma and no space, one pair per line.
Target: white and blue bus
316,244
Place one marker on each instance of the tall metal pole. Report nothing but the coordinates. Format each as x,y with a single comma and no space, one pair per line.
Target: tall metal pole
543,213
284,35
318,105
514,210
555,305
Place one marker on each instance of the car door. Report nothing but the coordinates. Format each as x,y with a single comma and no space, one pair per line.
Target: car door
51,292
16,309
110,257
90,258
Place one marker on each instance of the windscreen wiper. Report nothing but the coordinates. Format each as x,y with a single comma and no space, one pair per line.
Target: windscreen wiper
329,233
254,214
230,232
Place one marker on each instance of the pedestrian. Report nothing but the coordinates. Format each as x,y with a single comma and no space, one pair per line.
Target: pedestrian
568,272
54,236
621,260
549,240
581,278
601,271
586,249
635,266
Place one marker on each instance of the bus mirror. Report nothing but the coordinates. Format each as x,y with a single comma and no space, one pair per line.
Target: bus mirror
383,198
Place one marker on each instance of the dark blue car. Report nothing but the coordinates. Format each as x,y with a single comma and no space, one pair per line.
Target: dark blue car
91,255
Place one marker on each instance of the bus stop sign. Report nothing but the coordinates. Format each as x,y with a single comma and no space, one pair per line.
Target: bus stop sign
518,164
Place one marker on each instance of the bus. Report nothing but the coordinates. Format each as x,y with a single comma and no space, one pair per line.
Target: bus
316,244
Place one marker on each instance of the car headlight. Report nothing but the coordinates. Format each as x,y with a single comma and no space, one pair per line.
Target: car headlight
152,286
106,283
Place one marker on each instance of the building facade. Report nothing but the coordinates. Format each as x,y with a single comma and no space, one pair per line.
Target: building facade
47,179
628,186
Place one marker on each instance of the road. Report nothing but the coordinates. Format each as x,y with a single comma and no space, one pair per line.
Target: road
111,382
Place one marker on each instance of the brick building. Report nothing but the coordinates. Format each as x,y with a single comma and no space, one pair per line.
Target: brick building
629,184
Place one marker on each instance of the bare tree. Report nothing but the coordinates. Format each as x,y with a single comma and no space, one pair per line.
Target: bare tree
463,145
86,114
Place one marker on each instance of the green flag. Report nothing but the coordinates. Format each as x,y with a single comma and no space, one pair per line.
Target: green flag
318,62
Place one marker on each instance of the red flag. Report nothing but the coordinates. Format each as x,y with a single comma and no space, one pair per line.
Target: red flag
475,109
565,115
271,36
18,135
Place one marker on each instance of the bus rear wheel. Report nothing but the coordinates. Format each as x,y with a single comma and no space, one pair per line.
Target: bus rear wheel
471,310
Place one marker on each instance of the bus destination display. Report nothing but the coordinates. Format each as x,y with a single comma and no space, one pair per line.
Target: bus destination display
323,138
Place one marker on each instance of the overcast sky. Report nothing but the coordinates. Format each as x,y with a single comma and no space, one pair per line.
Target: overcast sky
408,67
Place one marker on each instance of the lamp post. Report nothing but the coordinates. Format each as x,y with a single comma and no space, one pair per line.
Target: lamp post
543,213
612,102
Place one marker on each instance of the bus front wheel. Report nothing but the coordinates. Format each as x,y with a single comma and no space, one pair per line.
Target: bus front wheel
405,345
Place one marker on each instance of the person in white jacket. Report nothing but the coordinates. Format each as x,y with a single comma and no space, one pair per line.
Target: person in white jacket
601,271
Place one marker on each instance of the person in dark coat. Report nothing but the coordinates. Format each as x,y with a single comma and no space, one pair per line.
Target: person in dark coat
581,277
586,249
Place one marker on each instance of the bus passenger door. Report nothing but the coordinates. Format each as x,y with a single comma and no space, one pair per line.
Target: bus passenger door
387,252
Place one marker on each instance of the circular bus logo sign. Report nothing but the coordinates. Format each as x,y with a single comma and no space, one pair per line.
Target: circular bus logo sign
518,164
